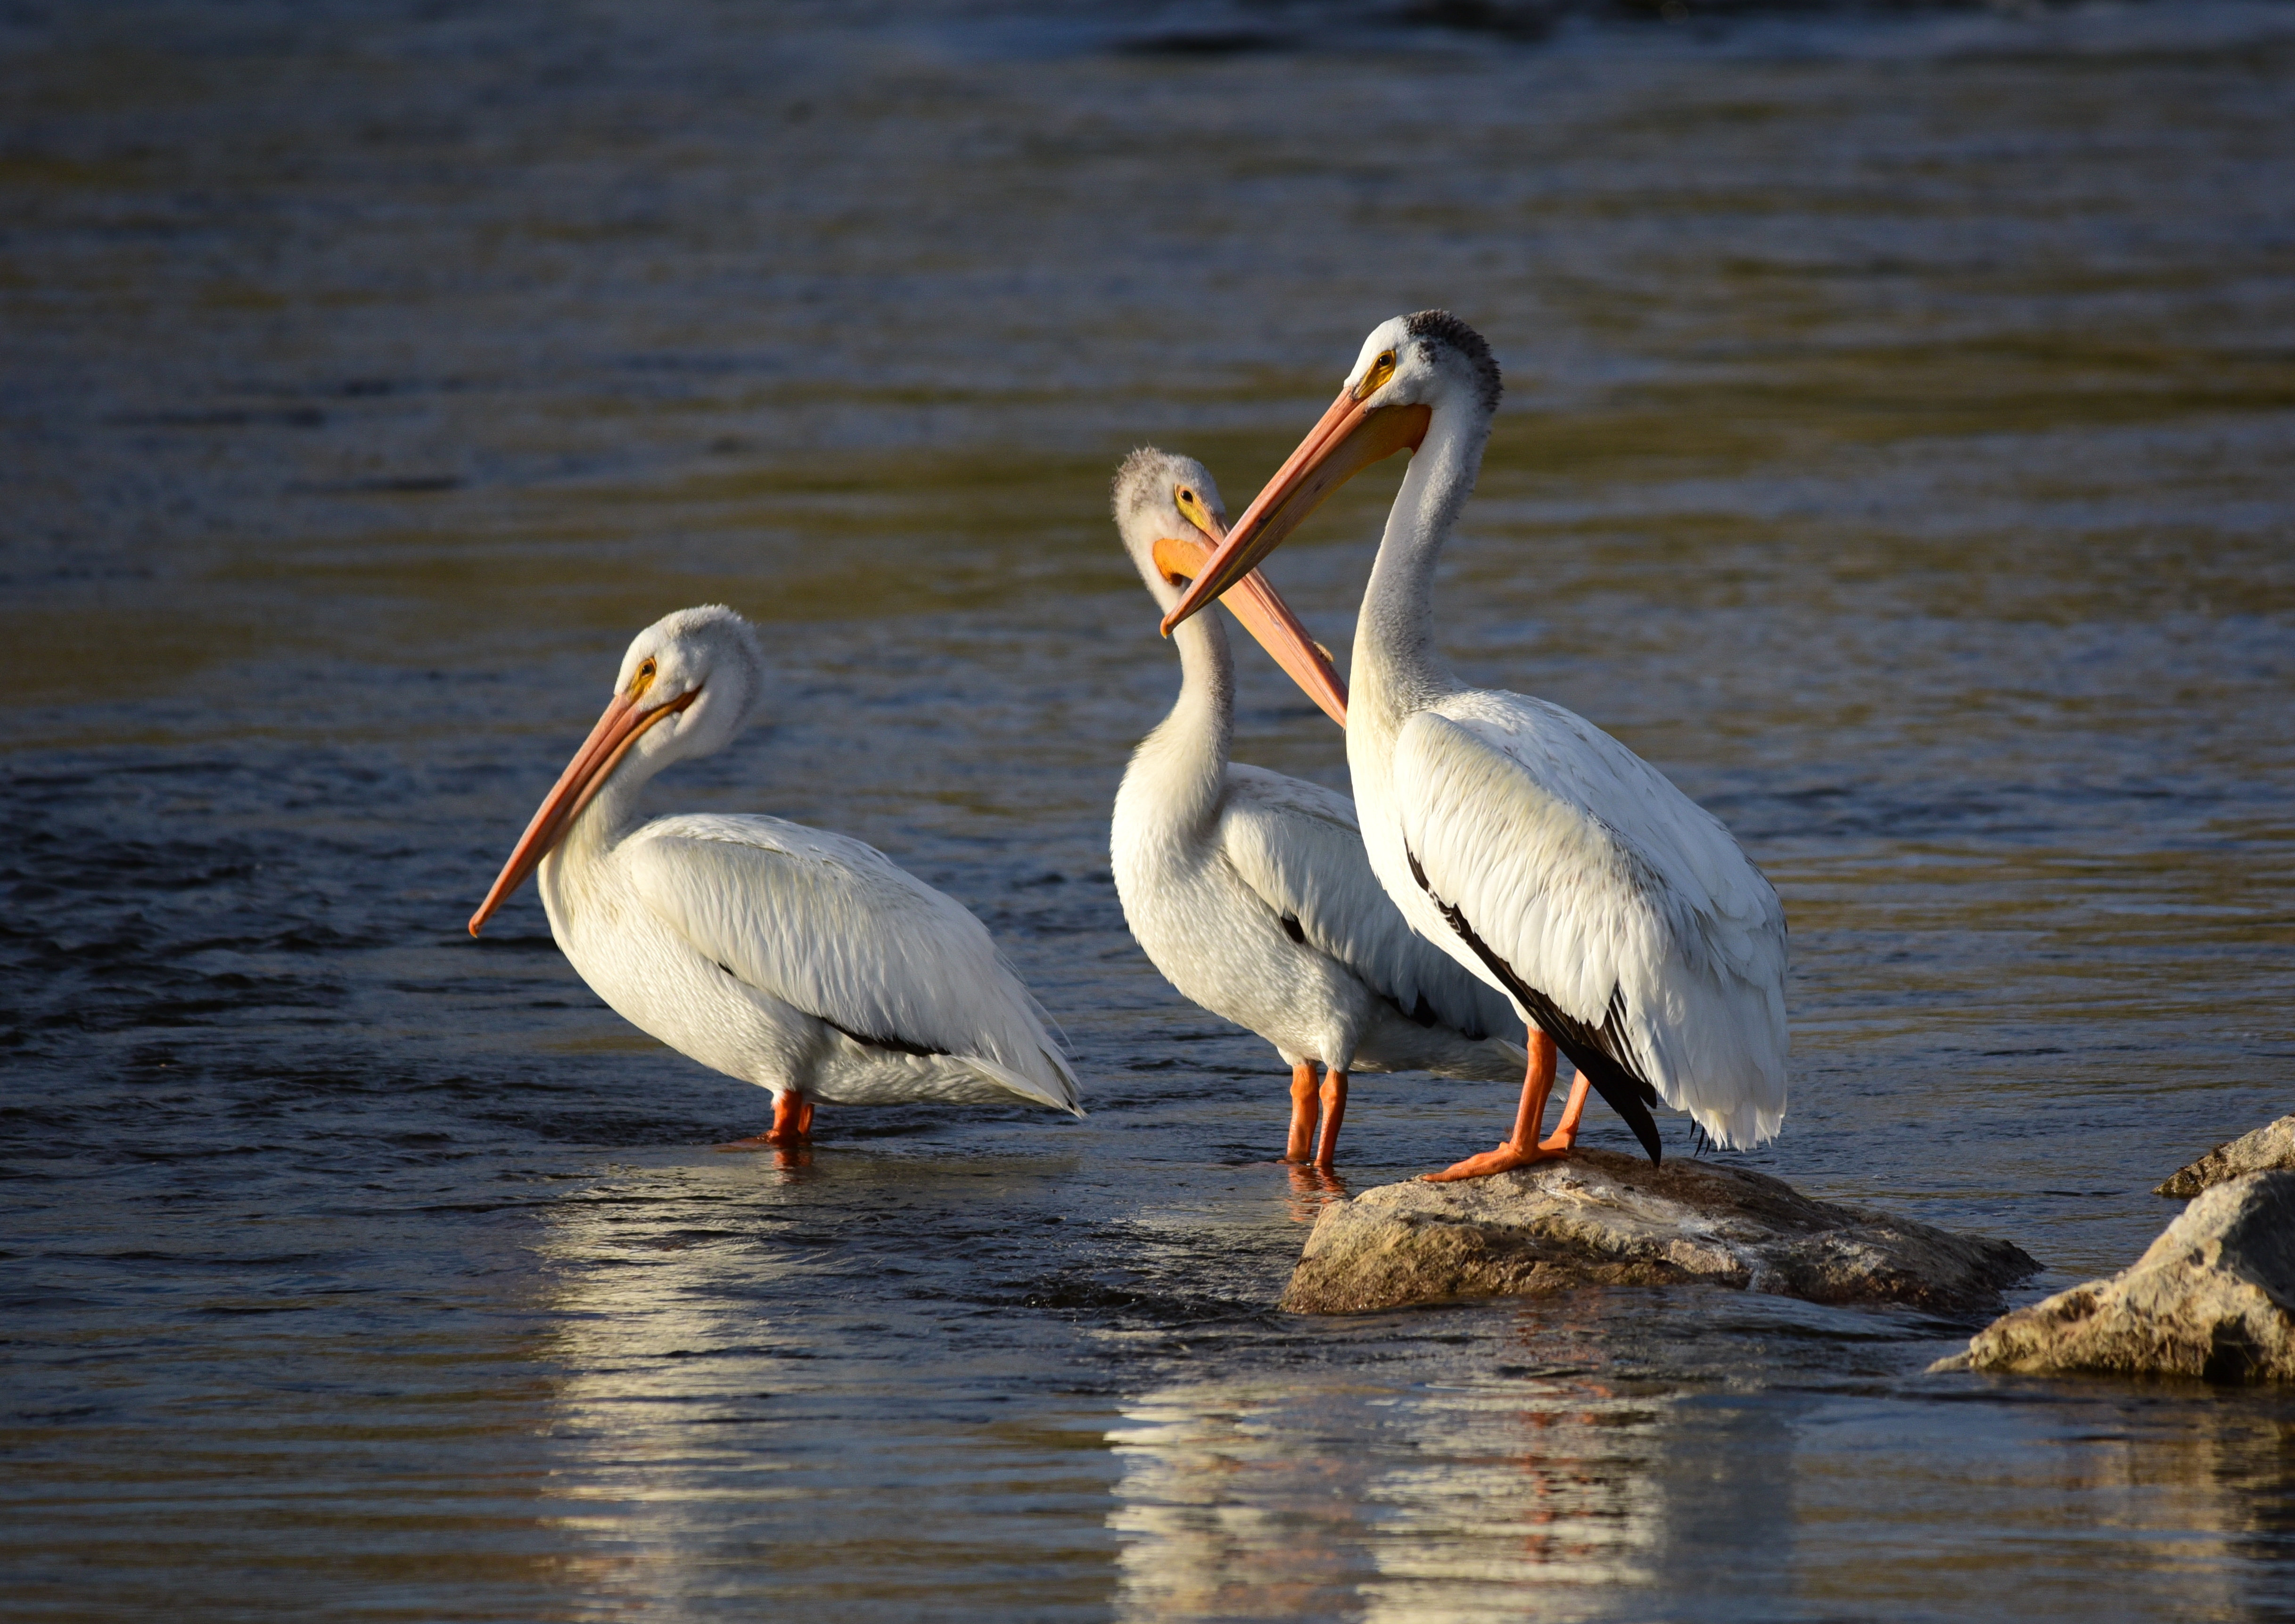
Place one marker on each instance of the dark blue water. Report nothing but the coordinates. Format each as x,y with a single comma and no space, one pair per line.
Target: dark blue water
1899,408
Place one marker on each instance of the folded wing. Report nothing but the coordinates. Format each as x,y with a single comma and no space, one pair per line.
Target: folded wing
1612,897
1298,846
833,927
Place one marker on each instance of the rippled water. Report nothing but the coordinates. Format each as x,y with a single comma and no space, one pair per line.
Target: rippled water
1900,407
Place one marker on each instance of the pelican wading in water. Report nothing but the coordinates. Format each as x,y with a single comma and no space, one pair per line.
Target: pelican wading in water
802,961
1619,917
1249,890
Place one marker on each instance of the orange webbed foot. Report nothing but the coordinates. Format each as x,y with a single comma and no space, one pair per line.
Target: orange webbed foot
1506,1157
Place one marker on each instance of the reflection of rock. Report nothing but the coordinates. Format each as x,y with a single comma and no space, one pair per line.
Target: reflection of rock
2271,1146
1600,1218
2214,1296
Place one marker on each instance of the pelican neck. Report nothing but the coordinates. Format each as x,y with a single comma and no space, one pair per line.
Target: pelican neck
1188,748
1399,668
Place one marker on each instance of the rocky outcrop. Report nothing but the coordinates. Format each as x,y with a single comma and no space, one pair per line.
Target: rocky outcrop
1600,1218
2214,1296
2269,1146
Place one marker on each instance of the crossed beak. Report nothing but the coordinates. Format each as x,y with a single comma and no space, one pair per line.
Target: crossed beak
1350,436
616,731
1256,602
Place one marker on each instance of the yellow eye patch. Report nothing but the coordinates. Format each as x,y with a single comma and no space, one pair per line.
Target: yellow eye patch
1192,507
1381,370
643,680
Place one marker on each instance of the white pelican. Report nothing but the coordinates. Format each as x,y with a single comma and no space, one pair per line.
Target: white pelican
1249,890
799,960
1544,855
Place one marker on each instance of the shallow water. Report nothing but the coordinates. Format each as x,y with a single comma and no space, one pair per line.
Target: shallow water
1900,407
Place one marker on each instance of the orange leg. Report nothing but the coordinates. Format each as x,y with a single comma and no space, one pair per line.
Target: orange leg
1521,1148
1302,1147
1565,1131
792,1119
792,1125
1335,1111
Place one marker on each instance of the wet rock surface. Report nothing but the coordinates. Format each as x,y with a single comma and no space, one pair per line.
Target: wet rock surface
1601,1218
2269,1148
2214,1296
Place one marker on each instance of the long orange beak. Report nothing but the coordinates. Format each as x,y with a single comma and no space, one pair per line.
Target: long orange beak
611,741
1256,602
1350,437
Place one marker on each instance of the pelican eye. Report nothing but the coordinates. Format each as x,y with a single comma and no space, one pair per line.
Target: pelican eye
643,680
1381,370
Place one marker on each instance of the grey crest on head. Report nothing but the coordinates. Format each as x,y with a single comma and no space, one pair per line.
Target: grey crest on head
1145,479
1440,329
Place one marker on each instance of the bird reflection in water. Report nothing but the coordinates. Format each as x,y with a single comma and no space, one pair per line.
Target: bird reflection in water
1312,1189
766,1403
1561,1482
787,1158
1327,1496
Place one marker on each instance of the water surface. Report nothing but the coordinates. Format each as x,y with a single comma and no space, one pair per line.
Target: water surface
1900,407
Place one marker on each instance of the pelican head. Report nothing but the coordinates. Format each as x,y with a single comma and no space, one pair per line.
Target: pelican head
1170,505
1169,512
1410,368
701,673
1431,359
688,684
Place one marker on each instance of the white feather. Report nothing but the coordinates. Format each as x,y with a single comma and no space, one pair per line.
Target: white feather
1298,845
1212,858
1601,886
1591,874
794,958
832,927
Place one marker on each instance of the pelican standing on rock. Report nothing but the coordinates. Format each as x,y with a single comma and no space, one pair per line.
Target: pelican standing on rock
802,961
1618,915
1250,891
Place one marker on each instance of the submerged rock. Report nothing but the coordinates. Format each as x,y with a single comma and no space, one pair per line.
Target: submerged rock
2271,1146
2214,1296
1600,1218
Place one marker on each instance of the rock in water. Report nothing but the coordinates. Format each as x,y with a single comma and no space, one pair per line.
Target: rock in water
1600,1218
2271,1146
2214,1296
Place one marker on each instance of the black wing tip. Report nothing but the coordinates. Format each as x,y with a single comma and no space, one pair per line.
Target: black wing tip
1588,1046
1621,1091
